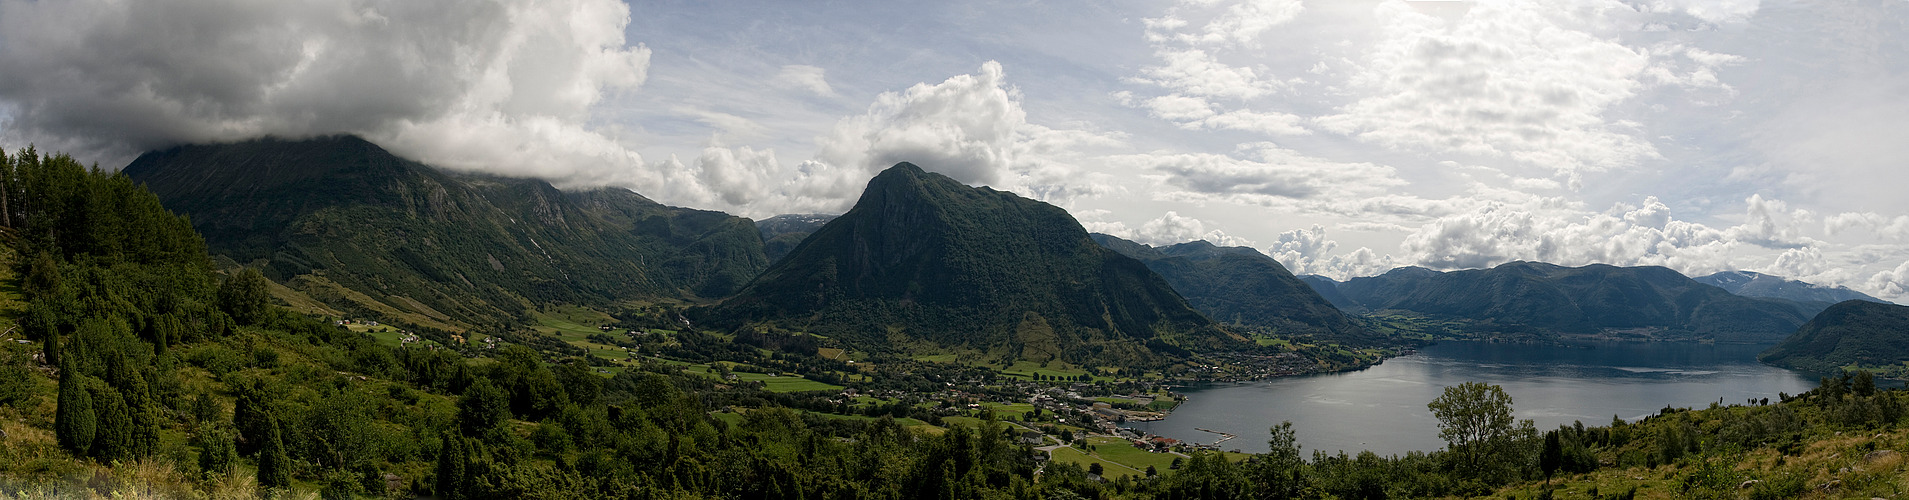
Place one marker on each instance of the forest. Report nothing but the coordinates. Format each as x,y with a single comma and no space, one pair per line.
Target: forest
134,367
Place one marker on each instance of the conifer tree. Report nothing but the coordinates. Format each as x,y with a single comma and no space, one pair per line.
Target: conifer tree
218,456
275,466
114,438
450,468
74,422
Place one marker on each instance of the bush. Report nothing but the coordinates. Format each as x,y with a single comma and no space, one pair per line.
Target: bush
216,359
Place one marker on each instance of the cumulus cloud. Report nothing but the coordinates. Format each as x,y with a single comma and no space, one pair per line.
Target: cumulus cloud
1172,228
969,127
1625,235
1304,251
1524,81
1889,227
504,86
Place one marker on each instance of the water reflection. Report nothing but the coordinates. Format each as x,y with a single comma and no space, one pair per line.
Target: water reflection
1383,408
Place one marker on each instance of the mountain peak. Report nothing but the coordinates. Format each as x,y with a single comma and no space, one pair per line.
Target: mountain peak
927,258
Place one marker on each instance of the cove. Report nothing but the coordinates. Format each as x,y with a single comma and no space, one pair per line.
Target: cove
1382,408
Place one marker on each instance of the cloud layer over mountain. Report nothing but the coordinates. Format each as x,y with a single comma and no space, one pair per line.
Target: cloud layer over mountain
1343,138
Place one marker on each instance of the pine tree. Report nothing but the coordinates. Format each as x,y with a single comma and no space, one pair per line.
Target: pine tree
74,422
275,467
251,418
450,468
218,455
114,438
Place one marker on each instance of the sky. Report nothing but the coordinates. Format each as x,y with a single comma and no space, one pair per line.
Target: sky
1343,138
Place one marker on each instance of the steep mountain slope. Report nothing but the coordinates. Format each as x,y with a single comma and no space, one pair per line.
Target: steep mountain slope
1241,286
1852,332
780,234
1328,289
1752,284
367,231
1546,299
922,258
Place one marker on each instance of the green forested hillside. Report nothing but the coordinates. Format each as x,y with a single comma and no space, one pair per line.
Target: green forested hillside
376,235
922,257
1851,334
144,373
1544,300
1242,287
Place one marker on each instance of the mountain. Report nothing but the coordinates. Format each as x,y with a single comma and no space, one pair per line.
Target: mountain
1852,332
1241,286
925,261
1752,284
1328,289
780,234
1532,298
365,231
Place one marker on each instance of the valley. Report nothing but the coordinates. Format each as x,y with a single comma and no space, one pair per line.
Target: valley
323,318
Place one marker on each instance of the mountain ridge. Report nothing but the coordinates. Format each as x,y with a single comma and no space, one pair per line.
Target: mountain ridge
1854,332
922,257
365,230
1546,300
1241,286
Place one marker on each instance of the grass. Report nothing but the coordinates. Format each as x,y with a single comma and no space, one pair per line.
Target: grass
1121,451
1108,469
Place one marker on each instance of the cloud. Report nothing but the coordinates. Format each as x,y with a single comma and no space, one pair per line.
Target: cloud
969,127
1891,283
1524,81
1266,175
1304,251
505,87
809,78
1172,228
1889,227
1625,235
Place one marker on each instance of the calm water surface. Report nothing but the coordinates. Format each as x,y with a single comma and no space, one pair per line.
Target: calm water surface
1382,408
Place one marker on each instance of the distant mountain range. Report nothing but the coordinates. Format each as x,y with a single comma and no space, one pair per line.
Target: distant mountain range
1241,286
360,229
922,258
1752,284
780,234
1541,300
1853,333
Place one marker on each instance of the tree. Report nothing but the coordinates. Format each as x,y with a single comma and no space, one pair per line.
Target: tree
1151,472
1475,421
482,407
1281,471
275,466
74,421
244,296
1552,457
1095,468
450,468
1863,384
218,456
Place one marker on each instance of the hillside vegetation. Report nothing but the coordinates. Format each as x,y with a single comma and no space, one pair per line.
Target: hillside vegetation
922,257
148,373
1246,290
1854,334
1533,300
371,234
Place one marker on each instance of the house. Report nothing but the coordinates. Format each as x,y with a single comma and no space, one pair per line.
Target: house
1031,438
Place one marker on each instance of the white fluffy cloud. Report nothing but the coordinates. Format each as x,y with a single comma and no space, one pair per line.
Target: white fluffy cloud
1172,228
1624,235
1525,81
504,86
